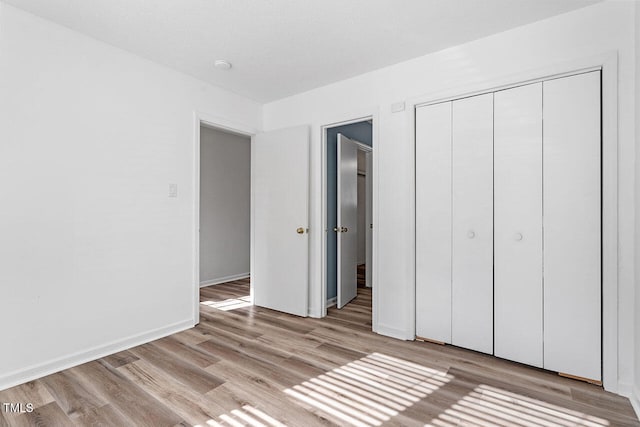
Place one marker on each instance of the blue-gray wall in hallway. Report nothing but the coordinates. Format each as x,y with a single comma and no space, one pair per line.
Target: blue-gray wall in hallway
361,132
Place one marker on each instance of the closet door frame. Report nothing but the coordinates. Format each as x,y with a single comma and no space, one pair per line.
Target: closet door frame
608,63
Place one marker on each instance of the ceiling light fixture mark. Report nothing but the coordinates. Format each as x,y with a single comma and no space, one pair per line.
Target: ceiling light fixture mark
221,64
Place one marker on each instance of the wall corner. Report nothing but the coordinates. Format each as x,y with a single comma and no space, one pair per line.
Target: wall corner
635,400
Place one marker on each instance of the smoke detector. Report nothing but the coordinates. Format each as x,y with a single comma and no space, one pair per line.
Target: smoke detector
221,64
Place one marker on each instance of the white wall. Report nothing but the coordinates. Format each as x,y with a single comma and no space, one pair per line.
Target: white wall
94,255
635,398
586,32
225,196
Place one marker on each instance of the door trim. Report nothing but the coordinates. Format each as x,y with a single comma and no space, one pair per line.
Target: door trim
362,147
608,63
340,119
201,118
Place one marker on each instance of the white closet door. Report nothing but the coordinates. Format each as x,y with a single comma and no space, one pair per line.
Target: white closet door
433,222
572,225
518,224
472,261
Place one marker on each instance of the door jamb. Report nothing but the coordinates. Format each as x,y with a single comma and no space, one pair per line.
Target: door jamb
363,147
346,119
219,123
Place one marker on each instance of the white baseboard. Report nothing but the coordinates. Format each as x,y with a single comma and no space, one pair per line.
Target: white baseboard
38,371
224,279
332,301
635,400
623,388
314,313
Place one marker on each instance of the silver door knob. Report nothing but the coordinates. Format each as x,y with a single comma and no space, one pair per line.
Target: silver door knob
471,234
518,236
344,229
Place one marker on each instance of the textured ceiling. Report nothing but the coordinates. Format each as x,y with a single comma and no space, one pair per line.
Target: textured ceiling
282,47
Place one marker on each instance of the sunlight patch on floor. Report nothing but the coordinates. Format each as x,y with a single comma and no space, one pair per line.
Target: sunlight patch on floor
229,304
371,390
247,416
488,406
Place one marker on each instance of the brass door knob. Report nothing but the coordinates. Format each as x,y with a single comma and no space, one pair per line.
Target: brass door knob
299,230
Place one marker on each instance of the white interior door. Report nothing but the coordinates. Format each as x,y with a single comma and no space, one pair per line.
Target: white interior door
347,220
472,225
433,222
280,192
518,224
369,221
572,225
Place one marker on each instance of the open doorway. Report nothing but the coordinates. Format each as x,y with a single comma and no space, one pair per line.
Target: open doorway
224,207
274,188
349,182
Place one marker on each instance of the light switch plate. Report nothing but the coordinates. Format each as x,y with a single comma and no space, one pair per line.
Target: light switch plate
173,190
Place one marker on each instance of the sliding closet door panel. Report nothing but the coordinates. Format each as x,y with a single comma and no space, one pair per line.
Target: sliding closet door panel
433,222
518,224
472,261
572,224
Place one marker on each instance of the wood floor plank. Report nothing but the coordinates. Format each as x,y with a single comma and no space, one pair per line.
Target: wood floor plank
188,374
250,316
246,365
187,352
255,363
194,407
449,356
106,416
248,346
312,356
122,358
344,352
303,366
192,336
561,404
603,399
228,325
357,342
71,395
49,415
30,392
125,396
288,342
264,395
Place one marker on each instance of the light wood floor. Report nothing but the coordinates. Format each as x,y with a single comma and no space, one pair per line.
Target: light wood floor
251,366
